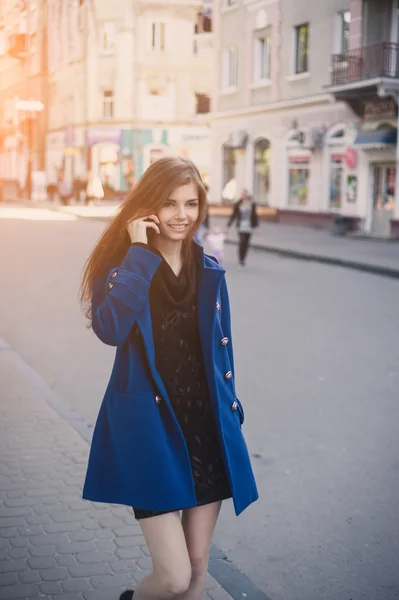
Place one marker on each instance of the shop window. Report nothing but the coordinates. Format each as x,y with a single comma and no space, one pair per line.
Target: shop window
229,164
262,172
336,180
262,54
299,171
302,48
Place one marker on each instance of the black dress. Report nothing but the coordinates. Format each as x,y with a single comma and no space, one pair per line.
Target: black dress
180,363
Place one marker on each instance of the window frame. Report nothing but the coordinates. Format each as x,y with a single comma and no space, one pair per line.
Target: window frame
260,37
106,48
299,56
108,102
229,68
158,36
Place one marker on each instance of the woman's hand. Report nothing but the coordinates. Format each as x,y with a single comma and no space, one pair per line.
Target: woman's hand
138,228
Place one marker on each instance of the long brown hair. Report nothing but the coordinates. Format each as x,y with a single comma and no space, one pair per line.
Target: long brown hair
147,197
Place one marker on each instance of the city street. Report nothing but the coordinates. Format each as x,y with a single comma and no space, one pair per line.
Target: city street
317,370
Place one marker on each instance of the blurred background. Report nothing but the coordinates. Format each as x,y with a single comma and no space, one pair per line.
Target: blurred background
296,100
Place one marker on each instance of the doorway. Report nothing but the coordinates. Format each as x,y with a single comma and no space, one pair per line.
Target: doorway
384,180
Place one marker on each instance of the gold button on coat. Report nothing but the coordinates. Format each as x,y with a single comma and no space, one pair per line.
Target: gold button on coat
224,341
228,375
110,285
114,274
158,399
217,305
234,406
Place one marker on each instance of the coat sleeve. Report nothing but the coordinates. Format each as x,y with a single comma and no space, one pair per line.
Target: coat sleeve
120,294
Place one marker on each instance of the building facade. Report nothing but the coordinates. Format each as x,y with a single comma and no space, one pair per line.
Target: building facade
23,101
305,108
127,81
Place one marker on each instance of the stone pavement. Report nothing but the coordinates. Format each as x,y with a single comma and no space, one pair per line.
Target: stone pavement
53,544
370,255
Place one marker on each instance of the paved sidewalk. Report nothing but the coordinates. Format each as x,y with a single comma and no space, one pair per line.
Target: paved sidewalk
53,544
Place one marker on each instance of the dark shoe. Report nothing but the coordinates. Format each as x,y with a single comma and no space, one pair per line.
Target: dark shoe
128,595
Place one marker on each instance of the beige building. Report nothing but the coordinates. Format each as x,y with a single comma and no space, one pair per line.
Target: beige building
305,108
22,95
127,81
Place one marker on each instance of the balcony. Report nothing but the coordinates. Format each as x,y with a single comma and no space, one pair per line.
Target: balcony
367,63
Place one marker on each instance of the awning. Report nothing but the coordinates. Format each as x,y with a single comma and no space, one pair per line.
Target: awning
377,139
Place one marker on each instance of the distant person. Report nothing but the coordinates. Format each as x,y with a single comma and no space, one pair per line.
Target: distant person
94,189
64,190
246,217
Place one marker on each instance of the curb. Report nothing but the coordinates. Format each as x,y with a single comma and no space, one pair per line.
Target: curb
327,260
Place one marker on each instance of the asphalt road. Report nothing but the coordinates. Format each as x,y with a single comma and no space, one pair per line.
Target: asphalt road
317,352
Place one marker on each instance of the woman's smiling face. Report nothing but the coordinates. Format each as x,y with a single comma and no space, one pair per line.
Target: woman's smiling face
179,213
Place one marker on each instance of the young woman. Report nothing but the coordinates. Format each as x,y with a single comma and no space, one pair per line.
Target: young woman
168,436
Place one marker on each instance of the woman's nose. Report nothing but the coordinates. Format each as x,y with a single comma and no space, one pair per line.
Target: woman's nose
181,212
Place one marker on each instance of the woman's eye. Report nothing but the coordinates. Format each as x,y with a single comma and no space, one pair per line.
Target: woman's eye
167,204
193,204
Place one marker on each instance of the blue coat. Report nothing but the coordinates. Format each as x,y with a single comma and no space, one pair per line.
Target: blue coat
138,455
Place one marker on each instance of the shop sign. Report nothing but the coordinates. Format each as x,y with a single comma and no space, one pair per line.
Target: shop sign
380,108
350,158
102,135
337,158
299,160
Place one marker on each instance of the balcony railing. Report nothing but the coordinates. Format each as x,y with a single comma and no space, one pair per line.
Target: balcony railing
376,60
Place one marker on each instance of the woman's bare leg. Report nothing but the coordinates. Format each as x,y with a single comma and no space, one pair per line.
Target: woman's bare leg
171,573
199,524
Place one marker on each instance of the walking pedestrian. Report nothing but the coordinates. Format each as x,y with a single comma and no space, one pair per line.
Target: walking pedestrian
246,217
168,436
94,189
64,190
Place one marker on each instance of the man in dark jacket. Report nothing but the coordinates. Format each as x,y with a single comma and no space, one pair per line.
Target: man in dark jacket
246,217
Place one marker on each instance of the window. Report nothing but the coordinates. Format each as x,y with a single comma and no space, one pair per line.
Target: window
302,48
229,3
203,104
299,168
158,35
344,26
262,171
262,54
107,38
108,104
336,180
229,68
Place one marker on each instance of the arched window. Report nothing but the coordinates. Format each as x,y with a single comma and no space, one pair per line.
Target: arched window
229,164
262,171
